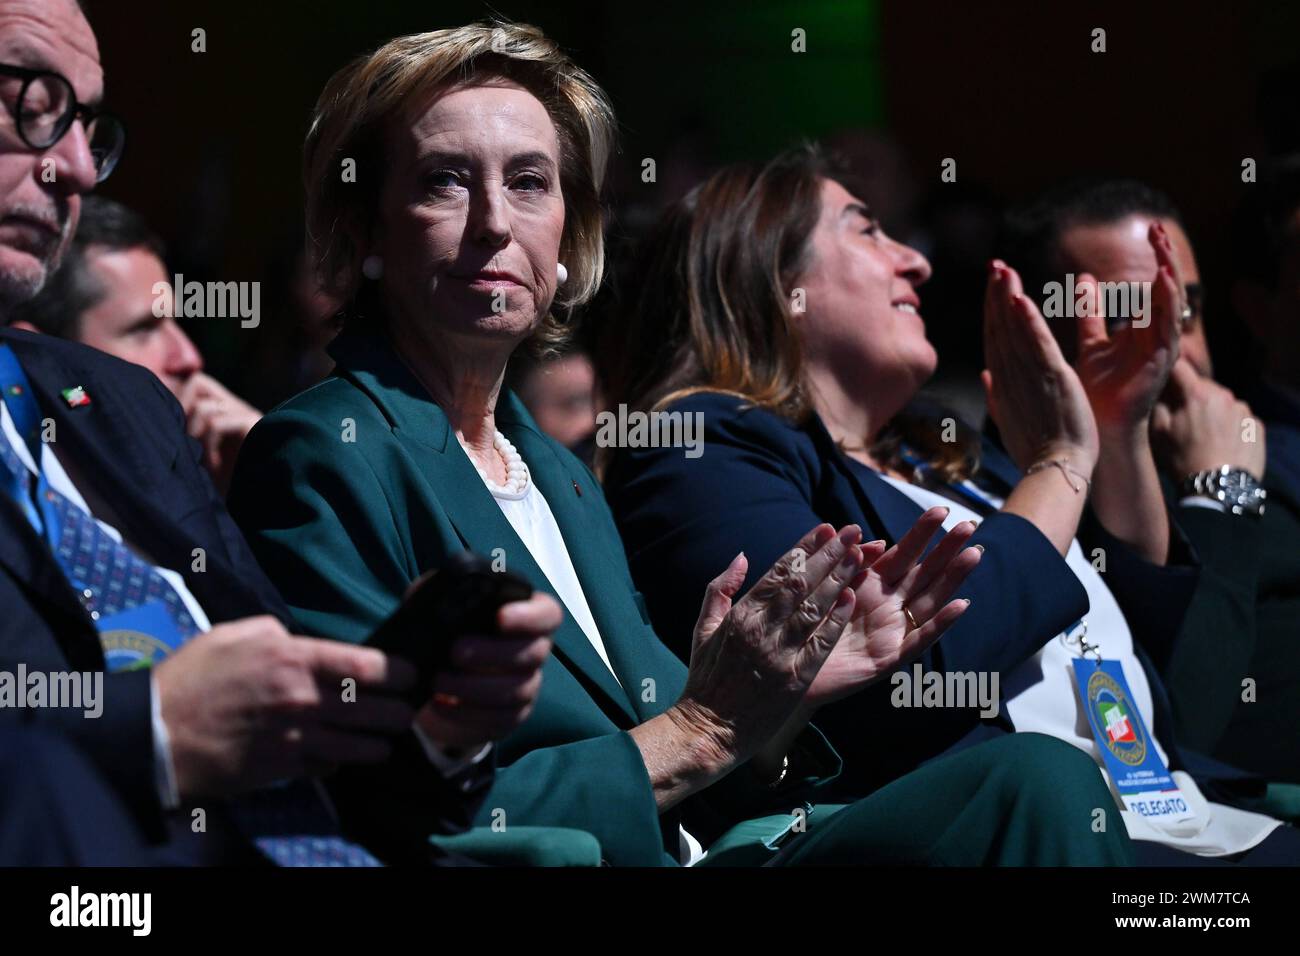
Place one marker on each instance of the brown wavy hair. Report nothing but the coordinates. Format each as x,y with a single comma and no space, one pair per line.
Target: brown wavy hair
711,310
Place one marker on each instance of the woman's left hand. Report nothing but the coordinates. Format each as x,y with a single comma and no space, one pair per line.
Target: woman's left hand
879,636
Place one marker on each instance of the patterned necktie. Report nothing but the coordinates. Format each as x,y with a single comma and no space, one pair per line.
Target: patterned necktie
289,823
110,576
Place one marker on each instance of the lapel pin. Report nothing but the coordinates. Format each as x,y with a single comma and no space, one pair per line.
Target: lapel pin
76,396
576,489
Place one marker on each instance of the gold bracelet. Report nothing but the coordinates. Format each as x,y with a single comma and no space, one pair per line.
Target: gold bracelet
1063,464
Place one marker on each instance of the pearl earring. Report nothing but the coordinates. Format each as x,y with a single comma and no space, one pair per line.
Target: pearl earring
561,273
372,267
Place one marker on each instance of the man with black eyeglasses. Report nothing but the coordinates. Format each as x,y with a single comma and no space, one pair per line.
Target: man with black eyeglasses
117,559
38,206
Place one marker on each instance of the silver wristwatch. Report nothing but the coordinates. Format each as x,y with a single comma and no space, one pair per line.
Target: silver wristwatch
1235,488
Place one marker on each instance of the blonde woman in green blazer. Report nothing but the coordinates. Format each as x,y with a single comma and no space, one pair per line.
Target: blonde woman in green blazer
479,153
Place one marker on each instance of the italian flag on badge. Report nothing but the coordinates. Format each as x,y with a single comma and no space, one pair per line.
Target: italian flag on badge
75,396
1117,723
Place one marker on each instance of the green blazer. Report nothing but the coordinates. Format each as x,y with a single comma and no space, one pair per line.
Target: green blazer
351,490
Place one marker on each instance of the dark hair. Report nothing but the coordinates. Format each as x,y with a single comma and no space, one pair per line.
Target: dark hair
711,310
1030,239
1261,228
72,289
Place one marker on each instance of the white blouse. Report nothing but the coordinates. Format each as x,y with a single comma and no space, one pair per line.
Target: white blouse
531,517
1041,697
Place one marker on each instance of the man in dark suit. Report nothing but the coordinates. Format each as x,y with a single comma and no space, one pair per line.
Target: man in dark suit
57,810
246,705
1233,668
115,551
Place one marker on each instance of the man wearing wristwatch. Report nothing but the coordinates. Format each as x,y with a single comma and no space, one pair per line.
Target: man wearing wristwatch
1233,671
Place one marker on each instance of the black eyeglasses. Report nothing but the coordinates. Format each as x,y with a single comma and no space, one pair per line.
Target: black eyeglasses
45,109
1194,299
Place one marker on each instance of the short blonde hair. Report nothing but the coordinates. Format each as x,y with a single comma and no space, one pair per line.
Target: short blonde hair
360,99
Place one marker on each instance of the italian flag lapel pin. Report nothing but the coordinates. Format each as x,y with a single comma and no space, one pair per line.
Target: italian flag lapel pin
75,396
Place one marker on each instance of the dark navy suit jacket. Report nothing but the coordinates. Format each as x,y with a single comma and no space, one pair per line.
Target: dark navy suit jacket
129,446
1245,620
130,442
762,482
1281,414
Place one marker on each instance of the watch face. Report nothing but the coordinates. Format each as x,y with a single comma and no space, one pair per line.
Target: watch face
1240,491
1233,487
1236,485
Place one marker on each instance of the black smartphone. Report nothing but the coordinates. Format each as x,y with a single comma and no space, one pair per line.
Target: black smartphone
460,597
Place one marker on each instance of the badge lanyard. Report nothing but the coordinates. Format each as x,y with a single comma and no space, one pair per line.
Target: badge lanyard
1127,751
925,471
1081,641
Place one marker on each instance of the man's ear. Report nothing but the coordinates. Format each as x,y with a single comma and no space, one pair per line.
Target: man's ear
24,325
1253,304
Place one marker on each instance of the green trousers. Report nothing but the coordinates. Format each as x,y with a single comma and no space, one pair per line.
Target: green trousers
1020,800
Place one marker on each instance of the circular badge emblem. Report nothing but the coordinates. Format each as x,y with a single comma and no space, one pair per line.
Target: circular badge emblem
127,650
1114,719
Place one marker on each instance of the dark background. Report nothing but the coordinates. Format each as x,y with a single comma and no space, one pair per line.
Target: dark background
1011,90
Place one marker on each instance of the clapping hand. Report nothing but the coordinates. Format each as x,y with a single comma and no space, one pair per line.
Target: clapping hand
1124,369
903,605
1034,396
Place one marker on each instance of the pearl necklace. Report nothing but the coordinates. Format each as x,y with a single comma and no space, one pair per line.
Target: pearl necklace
517,477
